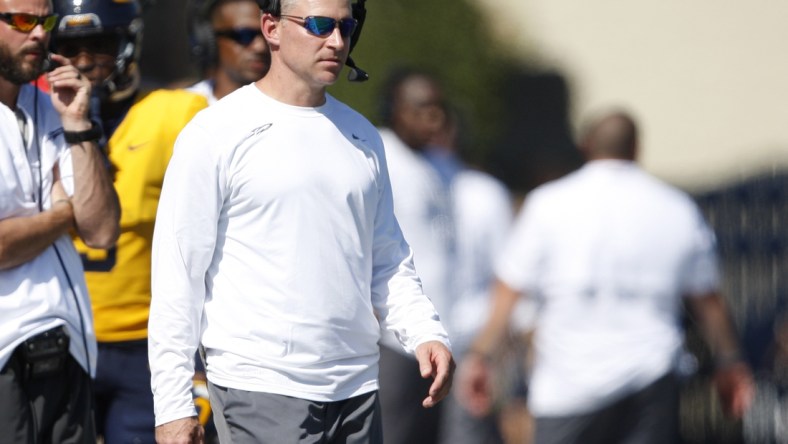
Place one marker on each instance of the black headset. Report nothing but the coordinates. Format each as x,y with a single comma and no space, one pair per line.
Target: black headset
202,41
359,12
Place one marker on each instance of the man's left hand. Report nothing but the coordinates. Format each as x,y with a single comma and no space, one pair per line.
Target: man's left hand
436,362
70,94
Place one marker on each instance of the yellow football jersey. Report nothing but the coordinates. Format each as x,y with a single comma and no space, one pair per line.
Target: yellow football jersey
118,279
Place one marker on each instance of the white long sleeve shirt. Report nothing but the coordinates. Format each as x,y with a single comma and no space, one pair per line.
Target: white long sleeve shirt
49,290
275,246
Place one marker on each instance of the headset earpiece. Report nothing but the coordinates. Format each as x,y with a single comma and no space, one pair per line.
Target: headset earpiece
359,13
356,74
201,37
270,6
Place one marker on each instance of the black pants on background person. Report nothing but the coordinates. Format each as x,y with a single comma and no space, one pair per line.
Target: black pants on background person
649,416
402,389
45,407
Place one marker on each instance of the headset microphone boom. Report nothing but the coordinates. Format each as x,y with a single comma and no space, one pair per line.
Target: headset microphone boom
357,74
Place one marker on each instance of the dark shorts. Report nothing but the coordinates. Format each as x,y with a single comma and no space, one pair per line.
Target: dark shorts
51,405
649,416
243,417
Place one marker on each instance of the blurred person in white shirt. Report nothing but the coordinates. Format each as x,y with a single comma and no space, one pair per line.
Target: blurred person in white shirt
611,253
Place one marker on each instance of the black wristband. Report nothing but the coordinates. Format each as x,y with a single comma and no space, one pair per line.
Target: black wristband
94,133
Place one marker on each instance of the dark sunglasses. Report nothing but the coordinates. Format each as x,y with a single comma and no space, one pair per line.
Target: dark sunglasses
27,22
244,36
324,26
103,44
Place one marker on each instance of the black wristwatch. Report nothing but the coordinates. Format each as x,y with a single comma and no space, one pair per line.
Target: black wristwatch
94,133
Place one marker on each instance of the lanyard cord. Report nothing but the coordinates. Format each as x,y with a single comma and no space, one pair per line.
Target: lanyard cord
54,245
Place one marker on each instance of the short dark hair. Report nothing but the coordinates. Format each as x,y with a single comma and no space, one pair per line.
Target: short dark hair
391,86
612,134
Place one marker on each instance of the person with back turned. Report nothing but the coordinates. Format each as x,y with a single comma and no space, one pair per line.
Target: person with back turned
611,253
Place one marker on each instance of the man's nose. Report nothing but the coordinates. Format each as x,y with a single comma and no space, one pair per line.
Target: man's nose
84,61
336,38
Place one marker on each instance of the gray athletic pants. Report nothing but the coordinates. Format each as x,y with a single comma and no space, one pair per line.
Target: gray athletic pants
243,417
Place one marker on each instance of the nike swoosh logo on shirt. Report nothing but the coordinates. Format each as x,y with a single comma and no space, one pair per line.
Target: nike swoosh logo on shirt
136,146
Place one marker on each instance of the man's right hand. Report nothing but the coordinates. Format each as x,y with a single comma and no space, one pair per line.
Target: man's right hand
181,431
735,388
474,391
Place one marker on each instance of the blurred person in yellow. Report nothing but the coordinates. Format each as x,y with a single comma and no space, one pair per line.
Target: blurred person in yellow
102,38
226,39
610,253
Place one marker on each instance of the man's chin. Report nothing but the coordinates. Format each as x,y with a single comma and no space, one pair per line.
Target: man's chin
22,76
19,70
31,68
329,77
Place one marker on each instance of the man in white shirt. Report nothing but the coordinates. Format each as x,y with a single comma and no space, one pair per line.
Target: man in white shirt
226,38
53,179
412,113
482,214
276,250
610,252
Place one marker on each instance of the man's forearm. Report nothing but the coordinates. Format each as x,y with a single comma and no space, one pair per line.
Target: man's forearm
96,207
489,339
717,327
24,238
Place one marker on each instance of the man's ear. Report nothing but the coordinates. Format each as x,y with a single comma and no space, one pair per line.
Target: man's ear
269,25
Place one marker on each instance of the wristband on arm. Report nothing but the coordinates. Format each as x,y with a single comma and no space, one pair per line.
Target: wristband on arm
94,133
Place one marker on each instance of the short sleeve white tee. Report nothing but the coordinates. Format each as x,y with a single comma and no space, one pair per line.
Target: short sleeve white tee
609,251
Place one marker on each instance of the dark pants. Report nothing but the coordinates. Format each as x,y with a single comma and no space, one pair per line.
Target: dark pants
649,416
124,401
54,408
244,417
402,389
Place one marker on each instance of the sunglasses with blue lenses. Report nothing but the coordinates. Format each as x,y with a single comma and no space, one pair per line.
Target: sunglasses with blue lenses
21,21
242,36
324,26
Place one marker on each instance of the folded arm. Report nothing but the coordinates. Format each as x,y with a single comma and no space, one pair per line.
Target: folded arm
24,238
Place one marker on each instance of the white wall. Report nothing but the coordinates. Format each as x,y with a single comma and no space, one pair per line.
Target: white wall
707,79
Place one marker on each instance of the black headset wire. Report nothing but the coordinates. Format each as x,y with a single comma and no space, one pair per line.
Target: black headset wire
57,252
